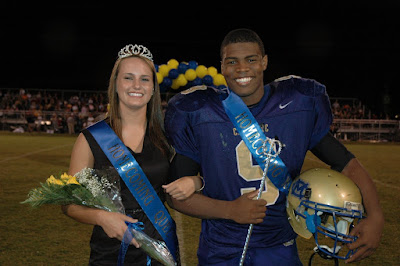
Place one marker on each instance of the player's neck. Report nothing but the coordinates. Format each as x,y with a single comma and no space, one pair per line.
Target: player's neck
255,98
252,105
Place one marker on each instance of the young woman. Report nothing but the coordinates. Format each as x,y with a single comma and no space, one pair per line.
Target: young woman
136,118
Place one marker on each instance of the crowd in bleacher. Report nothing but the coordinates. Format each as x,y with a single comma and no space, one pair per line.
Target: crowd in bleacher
70,111
352,109
50,111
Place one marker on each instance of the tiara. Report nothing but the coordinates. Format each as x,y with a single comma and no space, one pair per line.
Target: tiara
130,50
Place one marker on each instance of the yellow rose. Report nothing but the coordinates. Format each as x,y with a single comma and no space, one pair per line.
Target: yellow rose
52,180
65,177
72,180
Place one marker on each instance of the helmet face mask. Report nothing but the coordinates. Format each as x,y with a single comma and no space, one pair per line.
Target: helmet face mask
325,204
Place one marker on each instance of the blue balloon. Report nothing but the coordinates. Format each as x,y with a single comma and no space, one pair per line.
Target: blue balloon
156,67
167,82
182,68
208,80
193,64
173,73
197,81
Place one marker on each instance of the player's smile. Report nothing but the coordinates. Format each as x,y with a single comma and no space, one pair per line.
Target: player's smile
244,81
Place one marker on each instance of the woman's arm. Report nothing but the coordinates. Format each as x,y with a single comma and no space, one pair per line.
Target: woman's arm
112,223
184,187
81,156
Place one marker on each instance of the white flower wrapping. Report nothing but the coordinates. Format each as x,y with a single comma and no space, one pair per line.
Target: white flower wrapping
154,248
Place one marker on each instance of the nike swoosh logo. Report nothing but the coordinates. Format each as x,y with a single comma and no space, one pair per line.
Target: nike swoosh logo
285,105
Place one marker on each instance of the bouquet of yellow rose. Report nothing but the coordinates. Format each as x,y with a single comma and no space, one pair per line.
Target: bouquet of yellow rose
87,187
99,189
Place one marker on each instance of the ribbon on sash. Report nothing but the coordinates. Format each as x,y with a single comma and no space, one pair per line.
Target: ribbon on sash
254,137
135,179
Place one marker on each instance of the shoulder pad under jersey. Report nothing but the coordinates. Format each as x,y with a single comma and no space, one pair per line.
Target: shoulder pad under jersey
194,98
308,87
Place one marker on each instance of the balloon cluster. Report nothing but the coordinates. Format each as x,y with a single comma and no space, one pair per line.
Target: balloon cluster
184,75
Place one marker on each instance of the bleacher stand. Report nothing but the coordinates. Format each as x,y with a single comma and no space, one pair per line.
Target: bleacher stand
69,111
36,110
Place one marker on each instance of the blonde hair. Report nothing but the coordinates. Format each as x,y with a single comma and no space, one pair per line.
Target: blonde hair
155,121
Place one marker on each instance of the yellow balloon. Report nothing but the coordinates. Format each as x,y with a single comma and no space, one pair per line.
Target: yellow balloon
201,71
160,77
173,63
164,70
190,74
219,80
175,84
182,81
212,71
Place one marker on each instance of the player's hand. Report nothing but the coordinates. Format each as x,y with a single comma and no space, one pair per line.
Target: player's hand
369,233
246,210
114,225
182,188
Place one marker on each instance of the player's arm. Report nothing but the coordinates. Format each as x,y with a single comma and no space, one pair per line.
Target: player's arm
242,210
369,230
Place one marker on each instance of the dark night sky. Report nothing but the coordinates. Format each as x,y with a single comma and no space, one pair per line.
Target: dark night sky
350,46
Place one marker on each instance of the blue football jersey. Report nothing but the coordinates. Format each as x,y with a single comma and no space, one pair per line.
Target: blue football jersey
294,110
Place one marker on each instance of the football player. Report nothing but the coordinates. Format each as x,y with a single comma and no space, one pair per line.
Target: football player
292,109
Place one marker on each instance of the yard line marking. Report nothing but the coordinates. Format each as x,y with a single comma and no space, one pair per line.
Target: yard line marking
34,152
385,184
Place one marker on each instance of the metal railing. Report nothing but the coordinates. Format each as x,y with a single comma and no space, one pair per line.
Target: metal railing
366,129
44,121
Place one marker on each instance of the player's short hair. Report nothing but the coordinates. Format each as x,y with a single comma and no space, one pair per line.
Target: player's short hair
242,35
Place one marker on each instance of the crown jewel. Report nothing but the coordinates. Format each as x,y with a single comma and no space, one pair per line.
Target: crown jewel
131,49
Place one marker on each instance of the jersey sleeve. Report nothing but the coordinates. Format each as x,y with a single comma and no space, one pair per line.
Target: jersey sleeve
179,130
323,114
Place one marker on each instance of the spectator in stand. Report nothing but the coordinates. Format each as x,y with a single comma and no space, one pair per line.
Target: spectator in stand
54,122
335,105
71,123
84,111
90,120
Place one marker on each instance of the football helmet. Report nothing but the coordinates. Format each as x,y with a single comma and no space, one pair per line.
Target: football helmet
326,204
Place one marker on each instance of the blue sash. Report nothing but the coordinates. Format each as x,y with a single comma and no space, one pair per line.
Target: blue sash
137,182
254,137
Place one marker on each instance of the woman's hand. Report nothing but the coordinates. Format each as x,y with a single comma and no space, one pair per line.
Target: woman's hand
183,187
114,225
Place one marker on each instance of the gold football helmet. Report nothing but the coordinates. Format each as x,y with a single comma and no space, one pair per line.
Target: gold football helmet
326,204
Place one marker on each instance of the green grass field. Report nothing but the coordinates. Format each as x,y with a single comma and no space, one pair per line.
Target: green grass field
45,236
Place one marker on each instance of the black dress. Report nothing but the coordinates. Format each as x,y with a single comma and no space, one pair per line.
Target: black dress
104,250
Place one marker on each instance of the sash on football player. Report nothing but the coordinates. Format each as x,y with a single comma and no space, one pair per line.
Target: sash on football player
254,138
135,179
